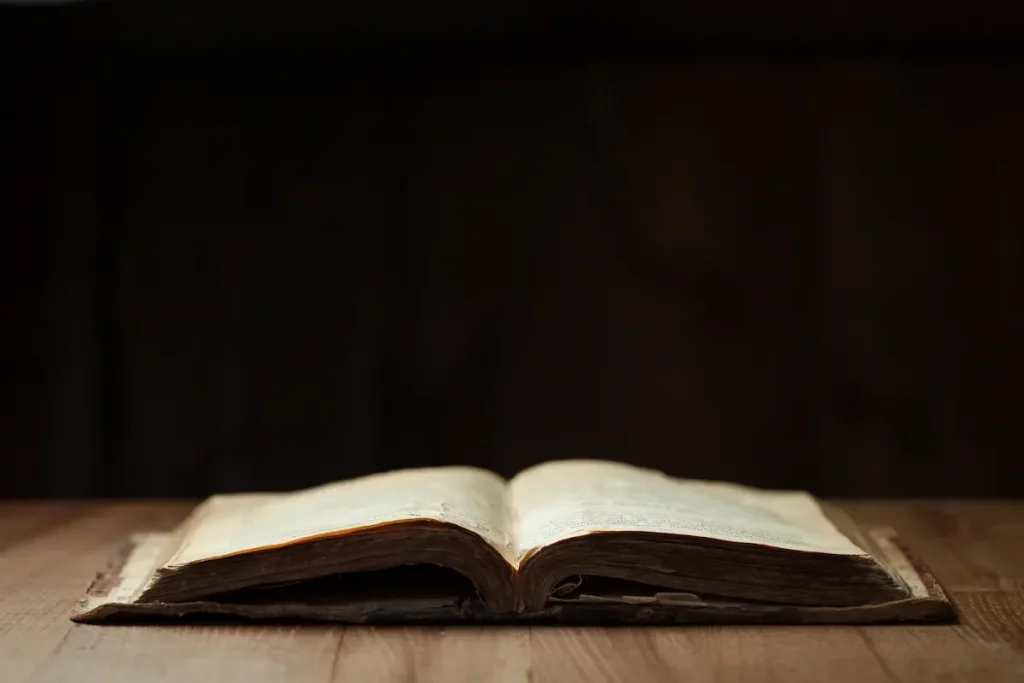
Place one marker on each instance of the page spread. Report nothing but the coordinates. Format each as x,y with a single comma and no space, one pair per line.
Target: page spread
468,497
542,505
402,571
559,500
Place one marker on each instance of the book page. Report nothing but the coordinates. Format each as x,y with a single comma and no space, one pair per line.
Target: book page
556,501
471,498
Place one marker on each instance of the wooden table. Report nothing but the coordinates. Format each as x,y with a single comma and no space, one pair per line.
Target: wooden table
50,551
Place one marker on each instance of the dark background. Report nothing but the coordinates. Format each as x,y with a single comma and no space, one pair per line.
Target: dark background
250,250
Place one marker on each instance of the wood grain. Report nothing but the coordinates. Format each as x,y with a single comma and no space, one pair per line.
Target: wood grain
50,551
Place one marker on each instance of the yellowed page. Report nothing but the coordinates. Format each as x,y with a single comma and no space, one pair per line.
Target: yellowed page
564,499
471,498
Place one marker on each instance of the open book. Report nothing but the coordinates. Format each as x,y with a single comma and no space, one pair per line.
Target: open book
578,540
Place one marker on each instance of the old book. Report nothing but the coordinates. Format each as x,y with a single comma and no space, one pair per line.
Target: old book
576,540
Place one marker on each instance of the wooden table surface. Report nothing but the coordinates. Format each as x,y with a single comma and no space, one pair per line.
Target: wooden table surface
50,551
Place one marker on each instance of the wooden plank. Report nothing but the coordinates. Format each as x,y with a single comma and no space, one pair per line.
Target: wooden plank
20,521
291,652
993,618
976,550
702,654
443,654
597,654
43,574
48,552
194,653
213,653
987,646
970,546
